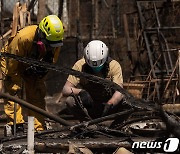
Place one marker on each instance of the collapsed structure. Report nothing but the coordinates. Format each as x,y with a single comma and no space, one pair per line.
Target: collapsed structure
151,85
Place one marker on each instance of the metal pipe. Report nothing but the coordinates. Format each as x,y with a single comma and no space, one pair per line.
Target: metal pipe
162,41
179,68
156,13
30,137
166,87
145,37
167,48
36,109
15,115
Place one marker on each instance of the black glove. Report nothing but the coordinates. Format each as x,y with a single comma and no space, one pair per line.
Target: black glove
107,108
86,98
35,71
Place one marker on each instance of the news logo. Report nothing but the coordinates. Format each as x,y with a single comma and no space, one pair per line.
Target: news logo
170,145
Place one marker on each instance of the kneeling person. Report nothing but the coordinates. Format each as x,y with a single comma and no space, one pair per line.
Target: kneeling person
97,99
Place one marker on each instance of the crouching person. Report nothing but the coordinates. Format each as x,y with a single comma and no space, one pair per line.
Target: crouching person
87,99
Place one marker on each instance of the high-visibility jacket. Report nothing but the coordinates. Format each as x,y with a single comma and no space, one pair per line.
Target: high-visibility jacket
23,44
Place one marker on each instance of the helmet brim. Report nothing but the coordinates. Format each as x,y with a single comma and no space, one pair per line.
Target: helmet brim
56,44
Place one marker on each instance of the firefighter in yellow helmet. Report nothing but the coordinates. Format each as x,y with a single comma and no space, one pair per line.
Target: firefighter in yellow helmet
41,42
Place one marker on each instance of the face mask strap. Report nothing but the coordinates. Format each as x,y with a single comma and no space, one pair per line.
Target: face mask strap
41,48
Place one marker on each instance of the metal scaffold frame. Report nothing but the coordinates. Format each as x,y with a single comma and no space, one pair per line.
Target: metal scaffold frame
157,47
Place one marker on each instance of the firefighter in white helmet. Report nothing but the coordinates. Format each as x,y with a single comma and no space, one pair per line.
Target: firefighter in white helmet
94,96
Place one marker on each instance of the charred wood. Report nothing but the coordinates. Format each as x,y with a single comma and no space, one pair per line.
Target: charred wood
172,125
129,98
36,109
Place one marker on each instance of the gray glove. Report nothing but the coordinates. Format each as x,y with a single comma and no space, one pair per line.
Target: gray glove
107,108
86,98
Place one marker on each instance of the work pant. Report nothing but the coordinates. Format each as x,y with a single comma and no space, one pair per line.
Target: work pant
34,92
95,111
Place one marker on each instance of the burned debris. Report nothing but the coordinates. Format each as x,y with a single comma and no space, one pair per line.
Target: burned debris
151,87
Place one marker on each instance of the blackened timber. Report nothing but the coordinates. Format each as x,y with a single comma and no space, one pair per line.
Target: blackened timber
172,124
89,143
57,145
35,108
129,98
66,128
98,120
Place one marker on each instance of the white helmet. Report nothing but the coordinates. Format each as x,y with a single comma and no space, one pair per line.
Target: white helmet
96,53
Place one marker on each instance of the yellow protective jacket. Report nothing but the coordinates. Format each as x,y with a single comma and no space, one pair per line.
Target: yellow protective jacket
22,44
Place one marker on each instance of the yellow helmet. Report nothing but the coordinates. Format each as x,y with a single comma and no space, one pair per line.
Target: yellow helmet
52,27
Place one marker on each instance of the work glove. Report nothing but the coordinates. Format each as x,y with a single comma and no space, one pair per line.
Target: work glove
35,71
107,108
86,99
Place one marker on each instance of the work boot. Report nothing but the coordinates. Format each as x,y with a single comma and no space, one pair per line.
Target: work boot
19,129
9,130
